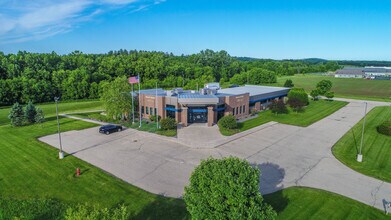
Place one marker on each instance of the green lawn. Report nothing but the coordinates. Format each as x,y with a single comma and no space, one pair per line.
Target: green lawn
346,88
33,179
308,203
376,148
314,112
63,107
30,169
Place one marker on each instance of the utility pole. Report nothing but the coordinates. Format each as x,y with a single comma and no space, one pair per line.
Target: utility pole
61,153
132,105
359,156
157,109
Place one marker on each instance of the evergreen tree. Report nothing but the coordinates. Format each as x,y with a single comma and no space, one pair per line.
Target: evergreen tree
16,115
39,117
30,112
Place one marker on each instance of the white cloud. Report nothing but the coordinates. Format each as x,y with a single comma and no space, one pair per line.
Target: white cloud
26,20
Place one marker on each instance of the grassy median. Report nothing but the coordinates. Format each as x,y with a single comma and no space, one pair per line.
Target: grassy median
376,147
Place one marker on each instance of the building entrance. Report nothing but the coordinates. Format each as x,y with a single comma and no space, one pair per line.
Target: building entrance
197,115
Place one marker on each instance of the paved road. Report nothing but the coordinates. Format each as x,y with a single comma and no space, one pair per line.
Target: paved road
287,155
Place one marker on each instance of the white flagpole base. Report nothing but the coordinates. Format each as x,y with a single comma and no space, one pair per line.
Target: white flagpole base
61,155
359,158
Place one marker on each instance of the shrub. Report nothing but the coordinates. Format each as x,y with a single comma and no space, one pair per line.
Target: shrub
228,122
314,94
226,188
278,107
329,95
288,83
385,128
16,115
153,117
86,212
299,94
253,112
30,112
324,86
168,123
39,117
296,104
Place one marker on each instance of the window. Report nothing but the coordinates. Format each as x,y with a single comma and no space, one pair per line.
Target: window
244,109
151,111
142,109
233,111
240,112
146,108
252,104
155,111
237,110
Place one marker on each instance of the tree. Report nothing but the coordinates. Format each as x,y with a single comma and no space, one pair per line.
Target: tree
298,93
296,104
329,95
278,107
324,86
226,188
314,94
16,115
288,83
30,112
39,117
116,97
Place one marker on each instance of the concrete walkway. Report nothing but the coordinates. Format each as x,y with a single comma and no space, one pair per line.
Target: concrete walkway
287,156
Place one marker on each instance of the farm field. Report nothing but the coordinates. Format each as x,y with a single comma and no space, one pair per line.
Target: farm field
376,147
379,90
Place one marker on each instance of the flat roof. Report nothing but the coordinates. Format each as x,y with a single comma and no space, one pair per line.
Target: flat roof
252,89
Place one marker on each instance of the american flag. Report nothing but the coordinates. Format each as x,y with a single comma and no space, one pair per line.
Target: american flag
134,79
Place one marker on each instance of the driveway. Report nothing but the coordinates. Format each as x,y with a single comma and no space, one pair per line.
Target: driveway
287,156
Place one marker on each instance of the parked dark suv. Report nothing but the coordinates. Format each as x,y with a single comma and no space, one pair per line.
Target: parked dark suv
107,129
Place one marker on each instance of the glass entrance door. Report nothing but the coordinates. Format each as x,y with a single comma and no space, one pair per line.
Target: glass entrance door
197,115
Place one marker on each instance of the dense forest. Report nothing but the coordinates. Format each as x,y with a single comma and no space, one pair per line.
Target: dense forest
39,77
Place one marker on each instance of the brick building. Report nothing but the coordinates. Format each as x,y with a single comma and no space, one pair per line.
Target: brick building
209,104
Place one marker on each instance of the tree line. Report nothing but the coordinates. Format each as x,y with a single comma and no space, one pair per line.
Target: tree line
38,77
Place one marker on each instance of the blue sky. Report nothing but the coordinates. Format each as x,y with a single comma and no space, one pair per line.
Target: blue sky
275,29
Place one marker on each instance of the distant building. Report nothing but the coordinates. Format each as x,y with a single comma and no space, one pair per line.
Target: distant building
368,72
209,104
349,72
372,72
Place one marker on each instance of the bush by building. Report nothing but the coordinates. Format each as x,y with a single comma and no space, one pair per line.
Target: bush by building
297,99
168,123
39,117
315,94
153,117
228,122
278,107
385,128
226,188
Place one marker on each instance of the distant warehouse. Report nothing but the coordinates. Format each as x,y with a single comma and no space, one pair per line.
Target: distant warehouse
368,72
208,104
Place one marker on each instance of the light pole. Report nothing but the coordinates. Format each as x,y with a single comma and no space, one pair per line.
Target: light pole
61,153
359,156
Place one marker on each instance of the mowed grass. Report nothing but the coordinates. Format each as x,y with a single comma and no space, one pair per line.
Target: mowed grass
63,107
31,169
312,113
347,88
376,147
308,203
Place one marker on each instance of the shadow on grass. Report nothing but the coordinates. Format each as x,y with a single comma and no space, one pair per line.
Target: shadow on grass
271,179
163,208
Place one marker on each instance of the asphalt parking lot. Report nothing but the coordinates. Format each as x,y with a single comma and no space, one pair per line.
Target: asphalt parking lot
287,155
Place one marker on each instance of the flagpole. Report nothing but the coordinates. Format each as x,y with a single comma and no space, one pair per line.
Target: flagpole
157,109
139,100
132,105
